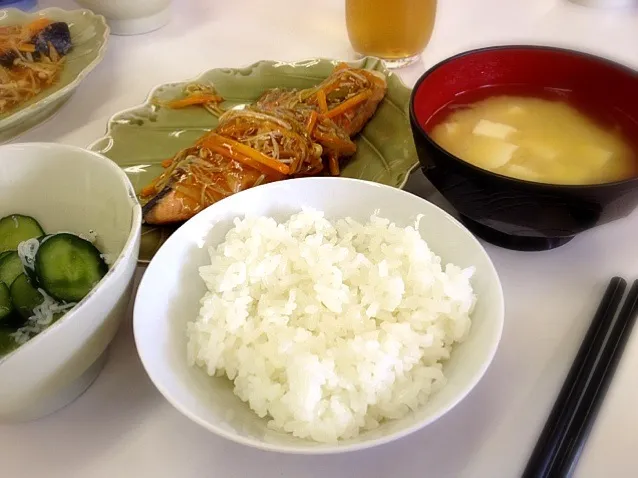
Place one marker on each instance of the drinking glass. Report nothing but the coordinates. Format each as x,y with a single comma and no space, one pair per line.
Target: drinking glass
397,31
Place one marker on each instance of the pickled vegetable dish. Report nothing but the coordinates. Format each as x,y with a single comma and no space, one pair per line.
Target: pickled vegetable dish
42,276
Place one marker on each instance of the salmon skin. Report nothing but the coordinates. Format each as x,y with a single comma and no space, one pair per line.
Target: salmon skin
284,134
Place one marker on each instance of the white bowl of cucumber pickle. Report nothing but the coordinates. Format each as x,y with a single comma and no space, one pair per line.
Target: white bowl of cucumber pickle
69,241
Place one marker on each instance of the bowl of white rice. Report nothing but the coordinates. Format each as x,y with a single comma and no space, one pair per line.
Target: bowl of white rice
318,315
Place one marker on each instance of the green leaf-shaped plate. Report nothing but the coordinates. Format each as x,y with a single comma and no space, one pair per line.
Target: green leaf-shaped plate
138,139
89,35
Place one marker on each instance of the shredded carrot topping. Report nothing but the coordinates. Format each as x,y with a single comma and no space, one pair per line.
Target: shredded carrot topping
245,160
321,101
213,139
148,190
27,47
39,24
192,101
333,164
167,162
329,88
312,121
334,141
349,104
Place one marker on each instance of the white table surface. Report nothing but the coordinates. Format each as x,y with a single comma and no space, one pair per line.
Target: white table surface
122,427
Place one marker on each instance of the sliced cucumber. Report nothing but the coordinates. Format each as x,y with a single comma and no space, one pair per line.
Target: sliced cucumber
17,228
6,306
68,267
10,268
7,342
24,296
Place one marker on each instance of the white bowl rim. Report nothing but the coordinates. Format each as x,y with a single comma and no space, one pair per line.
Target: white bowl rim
325,449
118,264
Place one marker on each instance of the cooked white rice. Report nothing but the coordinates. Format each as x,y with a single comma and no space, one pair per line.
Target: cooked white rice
329,328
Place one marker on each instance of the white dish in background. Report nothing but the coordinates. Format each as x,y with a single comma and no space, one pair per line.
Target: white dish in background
68,189
169,294
127,17
611,4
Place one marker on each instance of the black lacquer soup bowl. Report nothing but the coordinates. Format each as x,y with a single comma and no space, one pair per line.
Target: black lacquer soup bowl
509,212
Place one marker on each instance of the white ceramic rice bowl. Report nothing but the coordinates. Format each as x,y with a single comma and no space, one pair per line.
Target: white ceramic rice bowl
169,293
68,189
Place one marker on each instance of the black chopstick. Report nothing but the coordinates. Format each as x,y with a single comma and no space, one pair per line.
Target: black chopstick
545,454
589,405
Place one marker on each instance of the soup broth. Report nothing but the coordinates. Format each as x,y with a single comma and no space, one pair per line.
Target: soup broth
536,138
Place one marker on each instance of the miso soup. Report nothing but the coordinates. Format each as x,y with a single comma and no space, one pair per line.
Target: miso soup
537,139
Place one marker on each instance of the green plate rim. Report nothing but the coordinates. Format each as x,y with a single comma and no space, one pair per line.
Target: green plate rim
107,136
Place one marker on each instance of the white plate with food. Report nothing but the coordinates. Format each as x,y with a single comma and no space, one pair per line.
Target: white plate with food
43,58
340,323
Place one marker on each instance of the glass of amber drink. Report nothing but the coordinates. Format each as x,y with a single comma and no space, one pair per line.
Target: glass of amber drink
397,31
